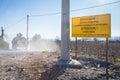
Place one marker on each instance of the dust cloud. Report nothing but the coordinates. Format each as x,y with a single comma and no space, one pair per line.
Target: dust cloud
43,45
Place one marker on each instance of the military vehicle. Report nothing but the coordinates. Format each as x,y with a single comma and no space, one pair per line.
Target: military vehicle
19,42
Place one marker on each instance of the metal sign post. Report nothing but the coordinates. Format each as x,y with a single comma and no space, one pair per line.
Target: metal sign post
107,74
76,47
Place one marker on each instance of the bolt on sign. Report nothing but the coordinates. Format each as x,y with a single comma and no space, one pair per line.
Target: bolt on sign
96,26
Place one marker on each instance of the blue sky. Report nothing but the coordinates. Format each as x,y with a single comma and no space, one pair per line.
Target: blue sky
13,15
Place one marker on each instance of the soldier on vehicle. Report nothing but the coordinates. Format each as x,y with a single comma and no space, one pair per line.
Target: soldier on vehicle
3,44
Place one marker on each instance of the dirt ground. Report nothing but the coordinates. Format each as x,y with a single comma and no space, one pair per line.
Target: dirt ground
91,69
25,66
41,66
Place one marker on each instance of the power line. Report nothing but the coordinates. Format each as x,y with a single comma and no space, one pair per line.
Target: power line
95,6
57,13
75,10
46,14
16,22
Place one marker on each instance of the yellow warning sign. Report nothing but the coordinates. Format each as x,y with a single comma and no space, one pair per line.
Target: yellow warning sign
96,26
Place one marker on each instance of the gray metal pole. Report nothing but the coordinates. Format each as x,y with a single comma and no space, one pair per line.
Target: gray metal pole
107,73
65,23
76,50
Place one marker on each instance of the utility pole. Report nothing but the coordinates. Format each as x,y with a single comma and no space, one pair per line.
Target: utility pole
65,24
27,27
27,30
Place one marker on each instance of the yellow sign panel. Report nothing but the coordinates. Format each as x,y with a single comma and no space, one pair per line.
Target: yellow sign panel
97,26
